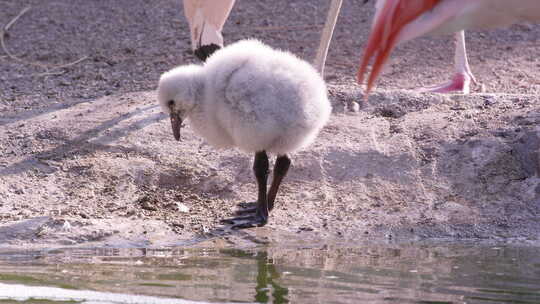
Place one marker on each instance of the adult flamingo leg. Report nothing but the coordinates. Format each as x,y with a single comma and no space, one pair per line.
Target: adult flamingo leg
206,19
462,78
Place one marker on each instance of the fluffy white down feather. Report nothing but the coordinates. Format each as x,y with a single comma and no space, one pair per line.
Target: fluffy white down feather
250,96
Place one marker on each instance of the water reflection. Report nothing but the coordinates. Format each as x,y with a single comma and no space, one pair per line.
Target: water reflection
267,275
331,274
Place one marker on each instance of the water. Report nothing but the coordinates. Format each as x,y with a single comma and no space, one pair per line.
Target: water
428,273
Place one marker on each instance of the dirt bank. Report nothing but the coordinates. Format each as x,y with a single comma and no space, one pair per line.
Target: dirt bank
88,159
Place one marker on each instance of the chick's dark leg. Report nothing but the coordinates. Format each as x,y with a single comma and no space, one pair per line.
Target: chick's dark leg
260,218
283,162
260,168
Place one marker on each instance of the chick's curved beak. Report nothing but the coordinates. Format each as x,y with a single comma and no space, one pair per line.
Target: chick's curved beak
176,124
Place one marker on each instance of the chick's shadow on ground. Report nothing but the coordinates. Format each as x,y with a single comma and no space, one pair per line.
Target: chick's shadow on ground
88,141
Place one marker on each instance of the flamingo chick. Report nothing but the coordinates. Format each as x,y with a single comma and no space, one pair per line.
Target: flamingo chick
252,97
397,21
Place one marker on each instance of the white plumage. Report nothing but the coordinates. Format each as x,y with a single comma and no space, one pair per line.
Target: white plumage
250,96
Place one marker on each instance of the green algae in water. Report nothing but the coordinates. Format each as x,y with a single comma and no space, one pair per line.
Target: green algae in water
29,280
156,285
174,277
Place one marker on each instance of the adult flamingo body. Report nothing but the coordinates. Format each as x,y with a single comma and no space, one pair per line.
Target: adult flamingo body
398,21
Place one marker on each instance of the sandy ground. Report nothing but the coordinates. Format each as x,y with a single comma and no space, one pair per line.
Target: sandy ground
86,157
